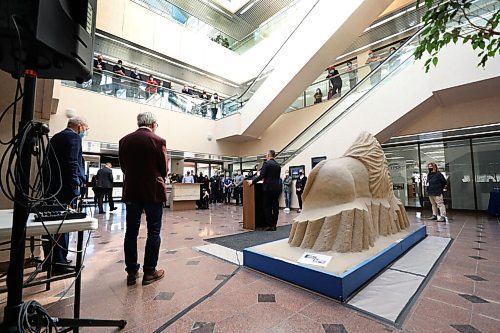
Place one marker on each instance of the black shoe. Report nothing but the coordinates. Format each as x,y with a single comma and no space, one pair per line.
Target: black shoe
433,217
270,229
62,270
132,278
114,208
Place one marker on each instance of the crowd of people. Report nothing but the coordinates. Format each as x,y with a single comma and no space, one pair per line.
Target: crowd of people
137,85
222,188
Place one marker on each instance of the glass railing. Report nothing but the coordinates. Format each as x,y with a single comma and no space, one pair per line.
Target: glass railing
398,60
124,87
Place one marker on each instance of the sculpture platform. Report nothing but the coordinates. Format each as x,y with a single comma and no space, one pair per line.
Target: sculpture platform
345,272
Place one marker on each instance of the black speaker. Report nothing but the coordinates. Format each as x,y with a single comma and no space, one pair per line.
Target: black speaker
57,37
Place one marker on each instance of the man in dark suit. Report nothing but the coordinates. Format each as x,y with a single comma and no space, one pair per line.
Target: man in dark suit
270,173
143,159
63,178
104,183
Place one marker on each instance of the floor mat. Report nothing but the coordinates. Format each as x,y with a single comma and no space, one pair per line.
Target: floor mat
251,238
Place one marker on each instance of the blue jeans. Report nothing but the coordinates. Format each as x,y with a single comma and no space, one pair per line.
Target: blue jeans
154,211
287,199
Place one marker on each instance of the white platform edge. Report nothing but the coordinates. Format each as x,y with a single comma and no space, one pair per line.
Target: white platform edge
380,290
222,252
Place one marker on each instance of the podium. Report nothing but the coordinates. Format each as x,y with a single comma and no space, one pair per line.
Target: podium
184,196
253,211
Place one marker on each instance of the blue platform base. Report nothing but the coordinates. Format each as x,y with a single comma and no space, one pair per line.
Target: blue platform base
326,283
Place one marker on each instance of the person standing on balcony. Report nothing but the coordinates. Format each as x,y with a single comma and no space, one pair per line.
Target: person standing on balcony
151,87
353,75
213,105
374,61
136,76
335,81
99,67
318,96
118,71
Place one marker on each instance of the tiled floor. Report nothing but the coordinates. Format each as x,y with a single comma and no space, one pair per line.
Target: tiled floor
462,296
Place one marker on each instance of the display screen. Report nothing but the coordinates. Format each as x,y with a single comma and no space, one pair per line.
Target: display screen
294,171
316,160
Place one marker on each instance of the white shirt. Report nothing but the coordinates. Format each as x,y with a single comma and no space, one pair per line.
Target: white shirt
188,179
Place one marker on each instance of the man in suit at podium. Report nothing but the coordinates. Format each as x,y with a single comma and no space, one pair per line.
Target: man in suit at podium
271,190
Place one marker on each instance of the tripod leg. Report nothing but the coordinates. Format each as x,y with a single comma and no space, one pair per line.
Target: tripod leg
78,282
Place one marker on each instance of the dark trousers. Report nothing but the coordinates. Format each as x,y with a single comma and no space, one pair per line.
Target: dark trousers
238,195
108,192
271,207
227,197
299,196
58,254
214,113
154,211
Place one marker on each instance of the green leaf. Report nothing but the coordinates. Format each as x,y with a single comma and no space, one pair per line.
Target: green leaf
435,61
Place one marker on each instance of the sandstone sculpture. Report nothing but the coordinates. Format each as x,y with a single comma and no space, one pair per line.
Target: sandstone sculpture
349,202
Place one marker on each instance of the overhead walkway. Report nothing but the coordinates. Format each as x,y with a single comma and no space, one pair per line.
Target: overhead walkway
380,102
323,35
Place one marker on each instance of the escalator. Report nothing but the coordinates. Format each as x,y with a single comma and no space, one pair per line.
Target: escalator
381,101
325,32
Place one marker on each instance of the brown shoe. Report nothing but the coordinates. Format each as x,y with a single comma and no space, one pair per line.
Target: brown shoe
149,278
132,278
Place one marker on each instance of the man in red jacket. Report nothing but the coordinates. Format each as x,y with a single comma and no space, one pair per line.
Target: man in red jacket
143,159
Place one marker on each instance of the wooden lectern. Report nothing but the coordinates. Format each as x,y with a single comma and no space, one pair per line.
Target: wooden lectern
253,211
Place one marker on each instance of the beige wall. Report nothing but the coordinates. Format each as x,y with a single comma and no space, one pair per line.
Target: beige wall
111,118
284,130
437,118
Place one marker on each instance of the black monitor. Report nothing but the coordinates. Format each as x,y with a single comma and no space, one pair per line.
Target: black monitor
56,37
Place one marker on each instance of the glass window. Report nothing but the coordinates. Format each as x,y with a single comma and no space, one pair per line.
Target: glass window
405,174
432,153
203,168
486,167
453,159
460,187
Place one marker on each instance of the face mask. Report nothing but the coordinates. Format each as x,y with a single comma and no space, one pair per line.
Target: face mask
431,169
82,134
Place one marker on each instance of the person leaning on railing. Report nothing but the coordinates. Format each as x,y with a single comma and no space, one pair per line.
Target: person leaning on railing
136,78
151,87
99,66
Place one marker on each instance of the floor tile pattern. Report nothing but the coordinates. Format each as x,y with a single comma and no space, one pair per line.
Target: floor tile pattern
234,307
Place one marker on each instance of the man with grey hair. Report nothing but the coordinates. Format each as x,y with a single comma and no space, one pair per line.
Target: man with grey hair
66,160
143,159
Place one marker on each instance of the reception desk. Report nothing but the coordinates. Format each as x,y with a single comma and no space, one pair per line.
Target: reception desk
184,196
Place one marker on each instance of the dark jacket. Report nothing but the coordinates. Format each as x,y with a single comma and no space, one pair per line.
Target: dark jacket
104,178
436,182
301,184
65,158
270,173
143,160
